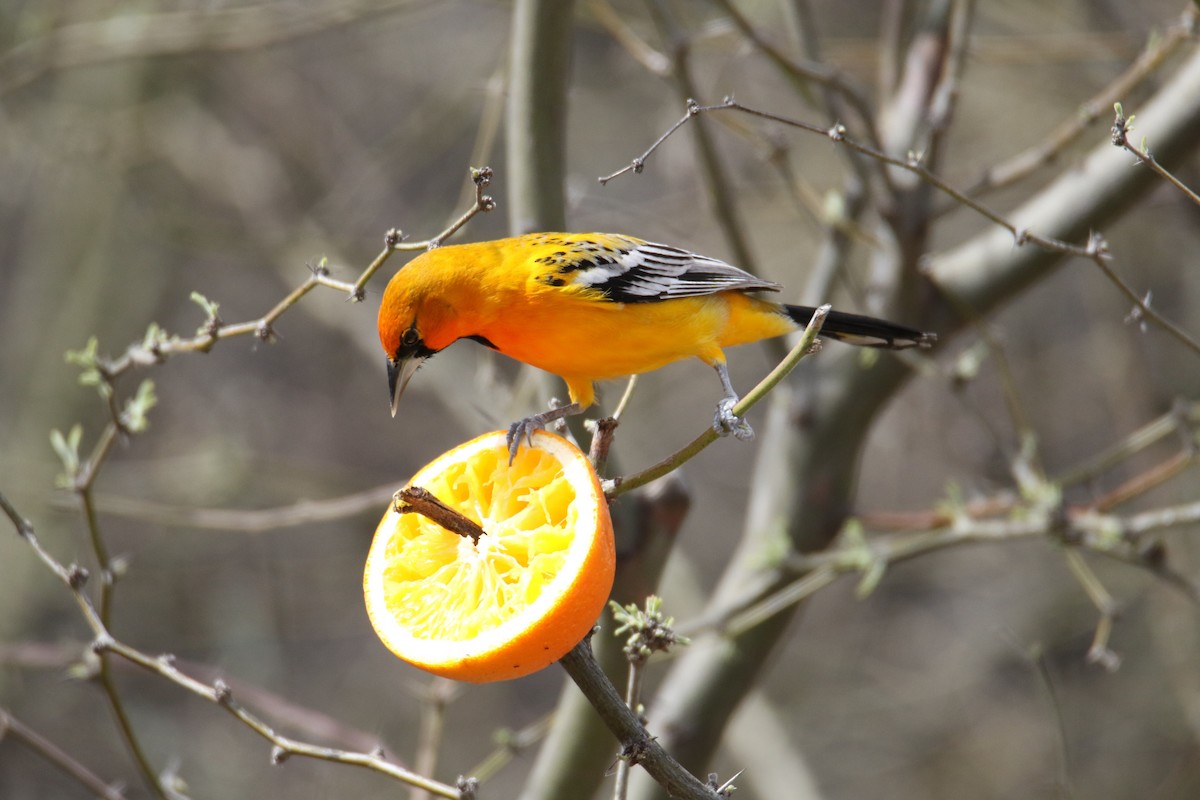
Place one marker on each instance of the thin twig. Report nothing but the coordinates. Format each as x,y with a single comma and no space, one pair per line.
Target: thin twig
638,164
1182,417
438,694
1145,481
82,483
1086,528
646,632
1099,653
803,347
511,744
653,61
1064,761
1161,518
626,396
754,609
302,512
157,350
1120,137
637,745
415,499
804,72
61,759
633,690
945,94
314,724
482,178
602,437
75,578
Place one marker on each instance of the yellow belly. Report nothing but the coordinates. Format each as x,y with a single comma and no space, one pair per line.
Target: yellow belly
584,340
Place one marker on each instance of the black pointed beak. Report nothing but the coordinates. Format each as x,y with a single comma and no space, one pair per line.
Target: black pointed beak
400,370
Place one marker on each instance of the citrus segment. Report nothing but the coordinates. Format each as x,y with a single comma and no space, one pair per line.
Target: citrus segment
522,596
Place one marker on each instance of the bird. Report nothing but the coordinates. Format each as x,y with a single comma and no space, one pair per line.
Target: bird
594,306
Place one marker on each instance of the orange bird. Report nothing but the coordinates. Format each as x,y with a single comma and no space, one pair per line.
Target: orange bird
591,306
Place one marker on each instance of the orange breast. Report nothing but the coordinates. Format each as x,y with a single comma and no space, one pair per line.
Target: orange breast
571,334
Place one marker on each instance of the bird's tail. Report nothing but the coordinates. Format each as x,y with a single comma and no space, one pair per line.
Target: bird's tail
864,331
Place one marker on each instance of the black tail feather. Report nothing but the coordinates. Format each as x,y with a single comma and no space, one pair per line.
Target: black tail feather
864,331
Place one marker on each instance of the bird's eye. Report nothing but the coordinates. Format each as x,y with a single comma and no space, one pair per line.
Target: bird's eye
410,337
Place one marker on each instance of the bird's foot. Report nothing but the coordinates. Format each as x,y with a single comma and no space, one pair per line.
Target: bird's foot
726,422
524,428
520,430
559,425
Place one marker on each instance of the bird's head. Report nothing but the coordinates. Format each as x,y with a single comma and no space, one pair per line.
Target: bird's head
414,323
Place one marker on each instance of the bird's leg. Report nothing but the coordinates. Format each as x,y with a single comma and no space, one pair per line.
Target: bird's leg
725,421
524,428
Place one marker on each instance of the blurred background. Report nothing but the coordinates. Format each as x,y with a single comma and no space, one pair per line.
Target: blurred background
153,151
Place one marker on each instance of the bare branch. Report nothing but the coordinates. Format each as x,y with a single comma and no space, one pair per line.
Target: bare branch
61,759
803,347
637,745
218,692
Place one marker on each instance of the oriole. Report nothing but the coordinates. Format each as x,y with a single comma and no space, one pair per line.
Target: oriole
591,306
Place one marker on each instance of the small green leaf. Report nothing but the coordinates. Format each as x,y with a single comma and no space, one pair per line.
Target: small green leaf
852,534
155,337
854,546
87,356
59,443
134,417
67,448
209,307
648,631
89,360
212,321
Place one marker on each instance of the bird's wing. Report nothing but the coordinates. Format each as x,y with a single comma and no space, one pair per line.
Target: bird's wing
628,270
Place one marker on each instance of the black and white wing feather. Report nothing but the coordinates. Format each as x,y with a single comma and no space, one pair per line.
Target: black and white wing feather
628,270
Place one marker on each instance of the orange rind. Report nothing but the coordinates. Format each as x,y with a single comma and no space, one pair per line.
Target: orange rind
526,593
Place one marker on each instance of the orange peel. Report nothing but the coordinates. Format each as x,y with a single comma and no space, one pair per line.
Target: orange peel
520,598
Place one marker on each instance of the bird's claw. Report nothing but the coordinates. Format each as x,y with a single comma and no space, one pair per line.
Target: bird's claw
522,429
726,422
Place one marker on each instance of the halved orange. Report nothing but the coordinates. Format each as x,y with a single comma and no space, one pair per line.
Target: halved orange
520,598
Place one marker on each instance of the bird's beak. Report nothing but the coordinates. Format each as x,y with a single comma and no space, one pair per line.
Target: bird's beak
400,371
